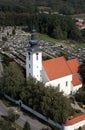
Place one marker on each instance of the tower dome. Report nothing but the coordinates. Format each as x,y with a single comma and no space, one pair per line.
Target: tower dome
33,41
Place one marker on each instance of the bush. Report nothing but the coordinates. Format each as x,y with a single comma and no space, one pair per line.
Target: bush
12,116
4,38
26,126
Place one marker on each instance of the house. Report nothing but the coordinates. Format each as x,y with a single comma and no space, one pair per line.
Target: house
75,123
57,72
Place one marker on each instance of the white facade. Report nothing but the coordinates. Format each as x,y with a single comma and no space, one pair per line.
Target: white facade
64,84
75,126
34,64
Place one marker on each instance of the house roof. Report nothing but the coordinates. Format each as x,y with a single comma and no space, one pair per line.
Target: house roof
56,68
76,80
75,120
74,65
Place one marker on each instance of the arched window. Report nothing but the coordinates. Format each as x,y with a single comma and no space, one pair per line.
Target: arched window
29,55
29,66
36,56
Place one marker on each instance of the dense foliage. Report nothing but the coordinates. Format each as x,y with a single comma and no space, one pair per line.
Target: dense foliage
80,95
12,80
82,71
46,100
62,6
26,126
56,26
26,12
5,125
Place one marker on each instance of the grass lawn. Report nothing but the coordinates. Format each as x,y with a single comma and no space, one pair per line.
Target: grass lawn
46,38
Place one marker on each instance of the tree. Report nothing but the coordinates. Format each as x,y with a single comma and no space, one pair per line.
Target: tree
11,115
6,125
79,128
26,126
46,100
4,38
13,31
57,33
82,71
12,80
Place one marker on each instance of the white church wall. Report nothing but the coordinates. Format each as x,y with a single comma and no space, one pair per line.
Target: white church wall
37,65
63,83
34,65
75,126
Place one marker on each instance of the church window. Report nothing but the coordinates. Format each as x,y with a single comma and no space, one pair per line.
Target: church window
66,83
29,74
29,66
36,56
29,55
58,85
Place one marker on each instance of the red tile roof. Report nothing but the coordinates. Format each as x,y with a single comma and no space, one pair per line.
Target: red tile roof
75,120
74,65
56,68
59,67
76,80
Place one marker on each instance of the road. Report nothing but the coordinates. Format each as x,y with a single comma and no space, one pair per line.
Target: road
3,109
34,123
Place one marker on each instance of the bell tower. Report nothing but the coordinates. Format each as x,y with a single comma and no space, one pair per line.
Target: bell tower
33,58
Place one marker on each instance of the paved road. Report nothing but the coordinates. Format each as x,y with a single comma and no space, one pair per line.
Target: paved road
34,123
3,109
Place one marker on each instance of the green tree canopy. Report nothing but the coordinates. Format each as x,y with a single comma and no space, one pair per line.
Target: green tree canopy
46,100
26,126
12,80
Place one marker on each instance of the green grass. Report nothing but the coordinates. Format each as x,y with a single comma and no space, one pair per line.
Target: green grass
46,38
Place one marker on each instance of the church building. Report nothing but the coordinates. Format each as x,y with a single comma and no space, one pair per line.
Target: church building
57,72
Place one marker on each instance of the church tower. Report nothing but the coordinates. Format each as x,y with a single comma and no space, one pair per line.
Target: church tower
33,58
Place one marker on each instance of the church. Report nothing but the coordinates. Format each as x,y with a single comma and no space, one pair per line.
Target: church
57,72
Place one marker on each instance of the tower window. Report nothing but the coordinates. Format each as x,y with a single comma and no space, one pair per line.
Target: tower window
36,56
29,66
29,74
29,55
